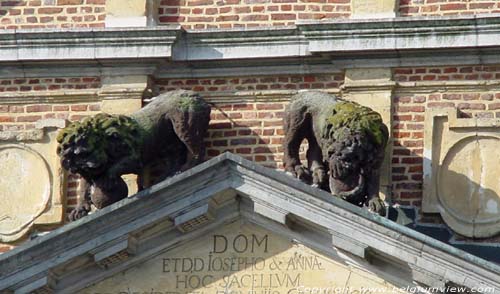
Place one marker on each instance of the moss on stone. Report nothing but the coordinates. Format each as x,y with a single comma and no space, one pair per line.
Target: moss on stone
187,103
349,117
102,137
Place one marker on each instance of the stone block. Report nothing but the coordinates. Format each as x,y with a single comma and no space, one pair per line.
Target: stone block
461,172
32,181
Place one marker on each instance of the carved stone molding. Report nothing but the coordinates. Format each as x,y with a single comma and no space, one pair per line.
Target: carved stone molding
461,172
32,181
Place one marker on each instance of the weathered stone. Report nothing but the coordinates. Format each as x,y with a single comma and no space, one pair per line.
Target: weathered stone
168,133
30,182
346,146
245,259
461,172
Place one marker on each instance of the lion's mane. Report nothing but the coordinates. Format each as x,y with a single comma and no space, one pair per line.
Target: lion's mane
93,145
355,138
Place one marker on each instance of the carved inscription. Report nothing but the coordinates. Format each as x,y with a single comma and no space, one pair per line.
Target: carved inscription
239,259
221,273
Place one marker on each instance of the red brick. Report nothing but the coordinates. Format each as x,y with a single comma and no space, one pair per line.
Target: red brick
488,5
487,96
404,71
471,96
94,107
494,106
454,6
171,18
440,104
283,16
401,134
13,3
410,108
269,106
29,118
46,19
4,119
452,96
220,126
38,108
255,17
402,117
243,141
50,10
16,109
401,152
70,2
79,107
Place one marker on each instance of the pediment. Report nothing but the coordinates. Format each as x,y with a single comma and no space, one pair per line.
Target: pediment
229,196
240,256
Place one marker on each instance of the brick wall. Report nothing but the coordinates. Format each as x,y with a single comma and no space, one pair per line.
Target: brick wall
252,129
29,14
204,14
409,113
43,84
447,7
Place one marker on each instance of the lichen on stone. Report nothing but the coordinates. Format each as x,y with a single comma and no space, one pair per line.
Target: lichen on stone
348,118
101,139
187,103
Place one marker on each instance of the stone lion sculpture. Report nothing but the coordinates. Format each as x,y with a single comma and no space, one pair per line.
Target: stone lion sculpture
346,147
168,132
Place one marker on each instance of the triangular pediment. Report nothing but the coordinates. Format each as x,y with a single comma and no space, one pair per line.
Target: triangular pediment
229,196
242,256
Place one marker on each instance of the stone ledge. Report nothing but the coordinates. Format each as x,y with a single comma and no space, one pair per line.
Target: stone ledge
340,43
87,44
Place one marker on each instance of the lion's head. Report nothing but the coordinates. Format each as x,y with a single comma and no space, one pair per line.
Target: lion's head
356,138
91,146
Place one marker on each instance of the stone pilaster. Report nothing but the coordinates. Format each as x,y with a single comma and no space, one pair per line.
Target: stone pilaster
373,87
135,13
373,8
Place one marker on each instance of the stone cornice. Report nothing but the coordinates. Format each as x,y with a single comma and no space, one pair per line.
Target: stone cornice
270,42
87,44
394,34
308,47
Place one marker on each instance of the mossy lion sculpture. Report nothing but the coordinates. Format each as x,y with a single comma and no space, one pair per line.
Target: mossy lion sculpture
102,148
346,147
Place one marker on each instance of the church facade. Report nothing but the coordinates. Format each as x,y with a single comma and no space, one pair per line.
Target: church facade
431,68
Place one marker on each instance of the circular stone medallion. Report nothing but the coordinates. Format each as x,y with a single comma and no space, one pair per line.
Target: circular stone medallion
24,189
469,186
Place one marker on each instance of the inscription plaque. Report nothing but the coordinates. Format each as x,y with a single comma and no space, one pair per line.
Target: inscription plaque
242,259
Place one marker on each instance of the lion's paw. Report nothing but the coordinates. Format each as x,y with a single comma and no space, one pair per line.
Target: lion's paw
377,206
319,178
79,212
302,174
